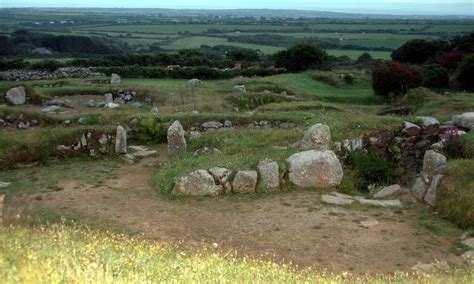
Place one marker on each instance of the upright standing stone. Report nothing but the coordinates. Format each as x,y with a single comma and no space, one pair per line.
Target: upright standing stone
269,175
16,96
434,163
115,80
109,98
121,140
176,141
318,137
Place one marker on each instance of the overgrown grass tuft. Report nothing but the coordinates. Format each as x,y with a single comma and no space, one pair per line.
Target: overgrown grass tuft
456,193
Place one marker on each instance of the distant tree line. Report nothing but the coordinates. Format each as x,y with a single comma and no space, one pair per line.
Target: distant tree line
430,63
22,42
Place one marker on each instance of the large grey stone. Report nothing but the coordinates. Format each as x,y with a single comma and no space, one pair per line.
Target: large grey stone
222,177
176,140
199,182
16,96
318,169
465,120
194,83
428,121
432,191
469,242
245,182
317,137
434,163
389,191
240,89
121,140
269,175
115,79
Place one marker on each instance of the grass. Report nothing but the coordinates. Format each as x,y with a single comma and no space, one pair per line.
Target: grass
456,193
59,253
47,177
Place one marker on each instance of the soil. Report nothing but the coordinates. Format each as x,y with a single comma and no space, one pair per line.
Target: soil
290,226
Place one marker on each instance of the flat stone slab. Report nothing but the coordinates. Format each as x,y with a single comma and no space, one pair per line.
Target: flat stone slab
381,203
144,154
389,191
369,223
331,199
469,242
4,184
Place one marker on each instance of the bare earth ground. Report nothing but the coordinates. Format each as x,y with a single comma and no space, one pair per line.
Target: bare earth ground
291,226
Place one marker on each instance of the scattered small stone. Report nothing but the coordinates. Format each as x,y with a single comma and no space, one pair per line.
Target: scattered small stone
382,203
112,105
428,121
206,150
222,178
23,125
211,125
50,109
155,109
4,184
194,83
90,104
136,105
369,223
335,200
389,191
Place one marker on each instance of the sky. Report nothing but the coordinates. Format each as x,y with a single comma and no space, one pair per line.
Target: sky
409,7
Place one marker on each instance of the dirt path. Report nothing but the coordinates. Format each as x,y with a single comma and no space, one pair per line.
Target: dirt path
292,226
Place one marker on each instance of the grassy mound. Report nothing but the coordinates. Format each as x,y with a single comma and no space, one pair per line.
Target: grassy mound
456,193
59,253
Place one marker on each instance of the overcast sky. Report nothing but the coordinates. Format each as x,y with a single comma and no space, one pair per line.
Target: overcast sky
434,7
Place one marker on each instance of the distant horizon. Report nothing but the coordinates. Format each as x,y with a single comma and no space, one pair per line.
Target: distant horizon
389,7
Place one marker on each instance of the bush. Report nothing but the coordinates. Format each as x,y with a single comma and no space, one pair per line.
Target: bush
152,132
47,65
371,168
394,78
435,76
419,51
348,79
455,145
416,98
302,57
466,73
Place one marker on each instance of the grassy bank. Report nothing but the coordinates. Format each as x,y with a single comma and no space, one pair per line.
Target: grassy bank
60,253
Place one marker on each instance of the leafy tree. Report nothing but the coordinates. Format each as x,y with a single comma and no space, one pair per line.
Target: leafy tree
419,51
364,58
435,76
466,73
302,57
394,78
6,46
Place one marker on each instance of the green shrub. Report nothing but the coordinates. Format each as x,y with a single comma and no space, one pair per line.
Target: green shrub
416,98
152,132
435,76
371,168
466,73
458,148
348,79
455,199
